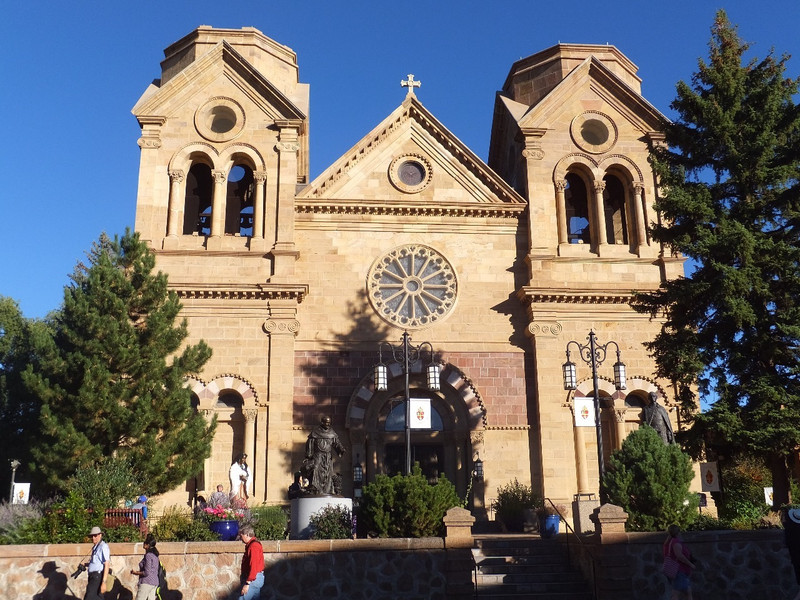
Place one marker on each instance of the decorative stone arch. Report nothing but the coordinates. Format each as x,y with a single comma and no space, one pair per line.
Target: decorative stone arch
451,376
188,154
244,388
630,175
244,153
576,217
585,163
458,397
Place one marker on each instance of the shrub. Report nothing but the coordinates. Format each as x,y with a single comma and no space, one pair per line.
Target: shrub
650,480
105,484
17,521
123,533
709,523
407,505
742,500
512,499
269,522
178,524
332,523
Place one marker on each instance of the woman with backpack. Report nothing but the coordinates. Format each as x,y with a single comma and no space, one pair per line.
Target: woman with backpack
148,570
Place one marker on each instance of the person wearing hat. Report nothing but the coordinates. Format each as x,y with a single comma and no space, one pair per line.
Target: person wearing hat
791,531
97,566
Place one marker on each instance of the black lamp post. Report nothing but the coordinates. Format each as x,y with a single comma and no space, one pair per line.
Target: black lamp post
594,354
406,354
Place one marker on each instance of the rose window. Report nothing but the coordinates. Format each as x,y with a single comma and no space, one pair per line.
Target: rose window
412,286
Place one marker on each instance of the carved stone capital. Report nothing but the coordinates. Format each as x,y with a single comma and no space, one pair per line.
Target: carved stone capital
637,188
599,186
250,415
219,176
287,146
561,185
619,414
476,437
176,176
545,328
533,153
260,176
273,326
149,143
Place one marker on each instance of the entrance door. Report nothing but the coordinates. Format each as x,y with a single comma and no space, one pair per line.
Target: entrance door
429,456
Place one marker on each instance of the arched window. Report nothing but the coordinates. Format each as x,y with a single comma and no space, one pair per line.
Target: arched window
239,201
199,194
614,209
577,209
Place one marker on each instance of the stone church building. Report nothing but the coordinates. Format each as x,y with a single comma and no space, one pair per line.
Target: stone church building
295,283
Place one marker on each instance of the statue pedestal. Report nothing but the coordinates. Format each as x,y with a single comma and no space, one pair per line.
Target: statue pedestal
303,508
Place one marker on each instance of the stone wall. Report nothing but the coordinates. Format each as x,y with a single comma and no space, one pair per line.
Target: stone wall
732,565
385,569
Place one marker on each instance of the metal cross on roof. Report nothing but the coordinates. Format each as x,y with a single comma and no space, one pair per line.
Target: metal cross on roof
410,83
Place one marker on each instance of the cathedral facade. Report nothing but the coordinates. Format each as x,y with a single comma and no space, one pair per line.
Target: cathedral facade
407,247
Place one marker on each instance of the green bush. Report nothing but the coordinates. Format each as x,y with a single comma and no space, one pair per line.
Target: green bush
407,506
16,520
512,499
123,533
742,500
178,524
708,523
332,523
269,522
650,480
105,484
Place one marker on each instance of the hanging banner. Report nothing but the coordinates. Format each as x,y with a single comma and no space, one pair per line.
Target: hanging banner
420,413
709,476
21,493
768,496
584,412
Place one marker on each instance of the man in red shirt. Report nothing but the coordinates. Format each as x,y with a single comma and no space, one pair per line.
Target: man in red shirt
252,565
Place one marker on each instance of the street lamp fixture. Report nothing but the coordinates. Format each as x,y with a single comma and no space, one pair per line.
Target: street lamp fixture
593,354
405,354
14,464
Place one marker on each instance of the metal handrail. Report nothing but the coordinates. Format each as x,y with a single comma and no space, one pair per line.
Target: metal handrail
474,572
581,542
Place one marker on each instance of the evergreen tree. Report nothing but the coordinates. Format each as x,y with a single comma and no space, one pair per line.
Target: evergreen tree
650,480
22,341
114,386
730,201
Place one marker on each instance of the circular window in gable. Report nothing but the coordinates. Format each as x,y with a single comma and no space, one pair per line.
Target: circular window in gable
594,132
219,119
410,173
412,286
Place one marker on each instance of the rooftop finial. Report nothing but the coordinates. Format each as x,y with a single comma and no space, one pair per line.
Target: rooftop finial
410,84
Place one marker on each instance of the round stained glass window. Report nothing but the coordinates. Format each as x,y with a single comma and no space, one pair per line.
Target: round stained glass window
594,132
410,173
412,286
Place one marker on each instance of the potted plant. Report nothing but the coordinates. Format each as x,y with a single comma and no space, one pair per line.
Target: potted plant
223,521
513,501
549,517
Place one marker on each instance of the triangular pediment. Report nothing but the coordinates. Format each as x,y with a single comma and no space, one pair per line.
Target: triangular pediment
222,61
592,81
454,179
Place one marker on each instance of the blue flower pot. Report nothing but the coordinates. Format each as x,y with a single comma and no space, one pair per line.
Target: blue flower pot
227,530
548,526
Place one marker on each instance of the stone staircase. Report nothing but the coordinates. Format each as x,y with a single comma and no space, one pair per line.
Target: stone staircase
512,567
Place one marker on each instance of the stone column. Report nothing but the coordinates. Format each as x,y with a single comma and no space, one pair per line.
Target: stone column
579,437
282,327
258,205
284,251
619,416
209,486
638,210
250,443
175,202
218,204
561,212
599,214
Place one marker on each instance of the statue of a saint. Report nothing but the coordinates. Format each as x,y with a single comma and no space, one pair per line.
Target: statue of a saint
240,478
318,465
656,417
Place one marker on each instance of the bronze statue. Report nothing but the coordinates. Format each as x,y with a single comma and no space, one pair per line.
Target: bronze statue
656,417
318,464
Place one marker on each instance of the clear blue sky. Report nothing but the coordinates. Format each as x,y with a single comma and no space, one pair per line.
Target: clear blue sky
72,71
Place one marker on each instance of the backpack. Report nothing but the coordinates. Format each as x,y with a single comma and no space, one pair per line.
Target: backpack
161,590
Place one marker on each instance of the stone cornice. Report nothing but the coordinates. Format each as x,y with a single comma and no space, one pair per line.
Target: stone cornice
531,295
260,291
362,207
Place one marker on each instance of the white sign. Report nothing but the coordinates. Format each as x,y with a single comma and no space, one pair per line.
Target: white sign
420,413
709,475
21,493
768,495
584,412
